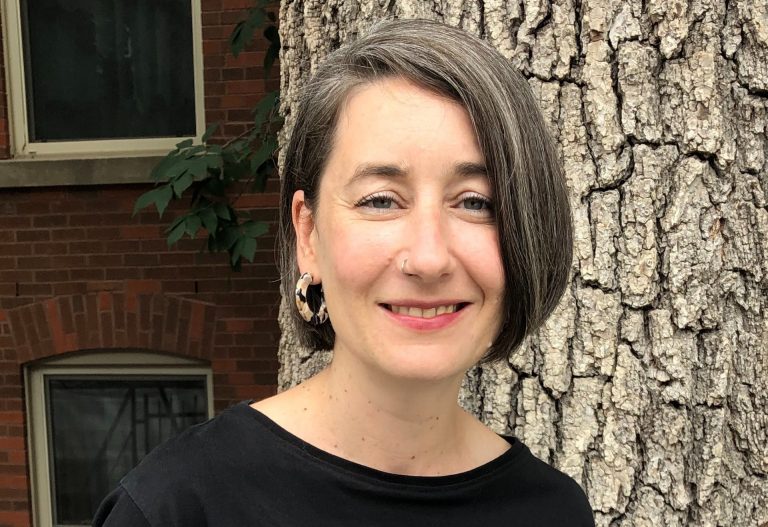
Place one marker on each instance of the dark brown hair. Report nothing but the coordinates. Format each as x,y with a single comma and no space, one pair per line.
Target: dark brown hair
531,204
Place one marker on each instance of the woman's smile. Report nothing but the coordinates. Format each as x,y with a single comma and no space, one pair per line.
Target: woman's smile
438,316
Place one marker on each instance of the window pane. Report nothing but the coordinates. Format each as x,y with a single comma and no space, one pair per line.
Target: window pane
108,69
100,428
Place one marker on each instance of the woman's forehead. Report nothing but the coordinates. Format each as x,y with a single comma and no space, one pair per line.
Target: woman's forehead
395,123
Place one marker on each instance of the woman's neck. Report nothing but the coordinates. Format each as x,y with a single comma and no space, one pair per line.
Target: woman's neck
398,427
393,425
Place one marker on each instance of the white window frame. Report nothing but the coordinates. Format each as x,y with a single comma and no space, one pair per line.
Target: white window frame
21,148
121,363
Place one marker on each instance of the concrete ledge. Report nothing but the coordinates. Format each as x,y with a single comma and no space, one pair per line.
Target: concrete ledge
56,172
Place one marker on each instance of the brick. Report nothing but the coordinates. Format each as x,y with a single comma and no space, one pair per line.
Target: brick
212,75
49,220
69,261
87,274
211,19
12,443
236,4
33,236
68,234
214,88
140,232
231,74
122,246
245,86
15,518
105,260
12,417
50,248
103,233
69,288
53,275
17,249
106,285
35,289
238,326
17,222
210,5
86,247
33,207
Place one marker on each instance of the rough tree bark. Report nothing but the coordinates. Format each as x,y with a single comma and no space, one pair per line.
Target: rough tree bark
649,385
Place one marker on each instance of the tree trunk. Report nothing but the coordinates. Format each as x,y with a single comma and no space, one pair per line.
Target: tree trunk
649,385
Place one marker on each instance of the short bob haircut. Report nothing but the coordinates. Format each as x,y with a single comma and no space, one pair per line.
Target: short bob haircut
531,205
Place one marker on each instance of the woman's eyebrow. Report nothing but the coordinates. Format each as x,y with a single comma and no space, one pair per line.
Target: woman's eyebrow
469,168
365,170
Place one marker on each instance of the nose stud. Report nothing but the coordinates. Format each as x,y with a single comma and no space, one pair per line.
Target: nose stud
402,267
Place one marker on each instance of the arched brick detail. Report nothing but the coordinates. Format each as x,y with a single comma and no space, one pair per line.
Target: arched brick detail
108,319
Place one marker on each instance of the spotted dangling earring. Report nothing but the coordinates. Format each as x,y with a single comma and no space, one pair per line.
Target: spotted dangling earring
313,317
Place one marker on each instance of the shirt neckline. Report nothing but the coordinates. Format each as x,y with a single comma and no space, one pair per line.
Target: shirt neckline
299,446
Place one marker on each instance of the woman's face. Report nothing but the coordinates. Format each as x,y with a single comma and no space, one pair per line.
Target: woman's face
405,180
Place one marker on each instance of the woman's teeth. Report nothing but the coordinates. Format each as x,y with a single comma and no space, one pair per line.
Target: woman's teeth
423,313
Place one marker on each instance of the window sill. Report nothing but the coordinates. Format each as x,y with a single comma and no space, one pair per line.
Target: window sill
56,172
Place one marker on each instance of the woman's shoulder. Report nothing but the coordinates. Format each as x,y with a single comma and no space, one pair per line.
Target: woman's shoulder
216,442
549,494
173,482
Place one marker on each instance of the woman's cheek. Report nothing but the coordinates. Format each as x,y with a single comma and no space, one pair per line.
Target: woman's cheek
361,252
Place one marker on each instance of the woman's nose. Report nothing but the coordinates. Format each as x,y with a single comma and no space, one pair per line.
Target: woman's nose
429,246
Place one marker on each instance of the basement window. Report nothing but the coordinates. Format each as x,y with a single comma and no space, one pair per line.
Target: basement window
94,416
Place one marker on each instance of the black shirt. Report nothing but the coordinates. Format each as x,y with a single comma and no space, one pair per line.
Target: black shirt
242,469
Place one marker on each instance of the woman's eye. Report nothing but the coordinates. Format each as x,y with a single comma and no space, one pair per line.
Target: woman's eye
378,201
477,204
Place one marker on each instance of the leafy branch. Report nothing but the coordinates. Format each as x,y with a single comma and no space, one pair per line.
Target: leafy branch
214,176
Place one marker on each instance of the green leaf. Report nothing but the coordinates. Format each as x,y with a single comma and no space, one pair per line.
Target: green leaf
175,223
262,175
237,250
263,107
198,167
248,251
222,211
160,171
209,131
145,200
184,144
243,32
272,35
273,52
215,187
192,225
214,159
182,183
163,198
177,232
209,219
254,229
235,171
229,237
159,196
263,154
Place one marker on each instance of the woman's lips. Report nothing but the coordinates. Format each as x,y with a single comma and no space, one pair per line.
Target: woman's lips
425,319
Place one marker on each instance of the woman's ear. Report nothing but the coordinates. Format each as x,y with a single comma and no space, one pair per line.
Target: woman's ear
306,239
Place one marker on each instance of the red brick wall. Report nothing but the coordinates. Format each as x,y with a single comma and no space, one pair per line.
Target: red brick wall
78,272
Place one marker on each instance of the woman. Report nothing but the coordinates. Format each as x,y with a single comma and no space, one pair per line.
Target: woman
425,223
